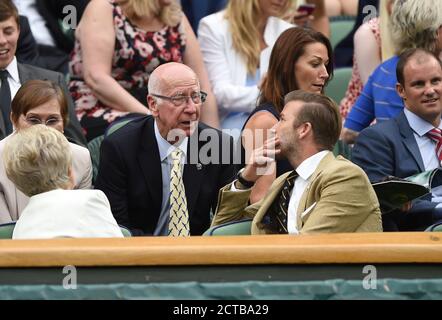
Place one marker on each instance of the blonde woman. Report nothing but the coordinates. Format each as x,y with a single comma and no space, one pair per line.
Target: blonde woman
236,45
118,45
44,173
372,45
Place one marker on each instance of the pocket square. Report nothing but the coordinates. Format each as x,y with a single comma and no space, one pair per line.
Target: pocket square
308,210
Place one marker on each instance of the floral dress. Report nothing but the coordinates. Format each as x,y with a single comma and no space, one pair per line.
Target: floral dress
137,53
355,85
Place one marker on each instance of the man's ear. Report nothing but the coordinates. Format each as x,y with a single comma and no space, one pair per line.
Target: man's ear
153,106
305,129
401,91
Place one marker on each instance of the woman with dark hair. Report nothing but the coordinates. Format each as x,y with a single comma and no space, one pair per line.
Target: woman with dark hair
301,59
39,102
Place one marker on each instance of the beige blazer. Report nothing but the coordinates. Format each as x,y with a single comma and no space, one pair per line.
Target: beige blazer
13,201
338,198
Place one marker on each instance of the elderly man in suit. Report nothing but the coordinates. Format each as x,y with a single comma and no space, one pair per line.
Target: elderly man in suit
322,194
162,173
410,143
14,74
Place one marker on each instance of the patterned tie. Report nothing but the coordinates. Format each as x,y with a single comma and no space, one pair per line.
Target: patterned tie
435,134
283,203
5,100
178,215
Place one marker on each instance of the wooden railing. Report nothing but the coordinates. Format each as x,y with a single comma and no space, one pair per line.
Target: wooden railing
231,250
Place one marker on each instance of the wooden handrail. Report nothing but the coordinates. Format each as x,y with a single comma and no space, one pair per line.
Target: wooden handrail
425,247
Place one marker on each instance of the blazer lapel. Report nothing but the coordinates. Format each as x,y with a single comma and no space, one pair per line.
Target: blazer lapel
409,141
150,164
193,172
24,73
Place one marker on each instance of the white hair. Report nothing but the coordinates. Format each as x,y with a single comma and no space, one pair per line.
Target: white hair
38,159
414,24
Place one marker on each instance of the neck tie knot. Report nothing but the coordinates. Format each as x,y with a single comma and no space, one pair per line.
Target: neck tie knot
176,154
4,74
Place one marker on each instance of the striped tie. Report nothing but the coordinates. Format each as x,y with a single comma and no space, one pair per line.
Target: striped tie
435,134
283,202
178,215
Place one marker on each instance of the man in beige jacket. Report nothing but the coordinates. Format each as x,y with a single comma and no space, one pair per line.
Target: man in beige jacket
322,194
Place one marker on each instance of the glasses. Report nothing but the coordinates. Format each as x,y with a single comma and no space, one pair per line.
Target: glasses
179,100
50,122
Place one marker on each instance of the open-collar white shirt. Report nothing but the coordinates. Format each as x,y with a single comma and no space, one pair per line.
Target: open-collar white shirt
305,171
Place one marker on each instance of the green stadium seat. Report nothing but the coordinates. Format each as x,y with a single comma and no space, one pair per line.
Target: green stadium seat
437,227
340,28
337,87
235,228
6,230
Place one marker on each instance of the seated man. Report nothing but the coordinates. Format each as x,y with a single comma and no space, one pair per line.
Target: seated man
141,165
38,161
405,145
322,194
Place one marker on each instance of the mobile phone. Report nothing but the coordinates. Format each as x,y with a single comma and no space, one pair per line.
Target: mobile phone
307,7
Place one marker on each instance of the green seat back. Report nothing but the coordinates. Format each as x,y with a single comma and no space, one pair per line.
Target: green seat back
340,28
6,230
94,150
437,227
343,149
242,227
126,232
95,144
337,86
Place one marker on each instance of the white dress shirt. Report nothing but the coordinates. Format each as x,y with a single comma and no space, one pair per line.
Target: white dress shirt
165,149
305,171
37,23
226,67
427,148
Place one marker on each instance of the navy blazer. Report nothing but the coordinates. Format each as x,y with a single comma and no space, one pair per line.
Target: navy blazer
130,176
390,149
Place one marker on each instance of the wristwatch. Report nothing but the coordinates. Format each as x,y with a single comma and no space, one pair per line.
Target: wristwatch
244,182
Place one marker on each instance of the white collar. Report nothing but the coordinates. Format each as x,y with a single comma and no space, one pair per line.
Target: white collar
165,148
309,165
12,69
419,125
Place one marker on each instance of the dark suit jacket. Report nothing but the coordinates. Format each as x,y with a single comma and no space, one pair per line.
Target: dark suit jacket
73,130
130,176
29,52
390,149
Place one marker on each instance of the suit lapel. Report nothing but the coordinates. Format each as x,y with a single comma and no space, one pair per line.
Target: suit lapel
193,172
409,141
24,73
150,164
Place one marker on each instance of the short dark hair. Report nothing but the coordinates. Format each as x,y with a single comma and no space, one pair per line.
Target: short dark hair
34,93
406,56
8,10
322,113
288,48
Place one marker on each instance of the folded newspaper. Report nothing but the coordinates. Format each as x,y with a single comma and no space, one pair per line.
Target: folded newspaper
394,192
